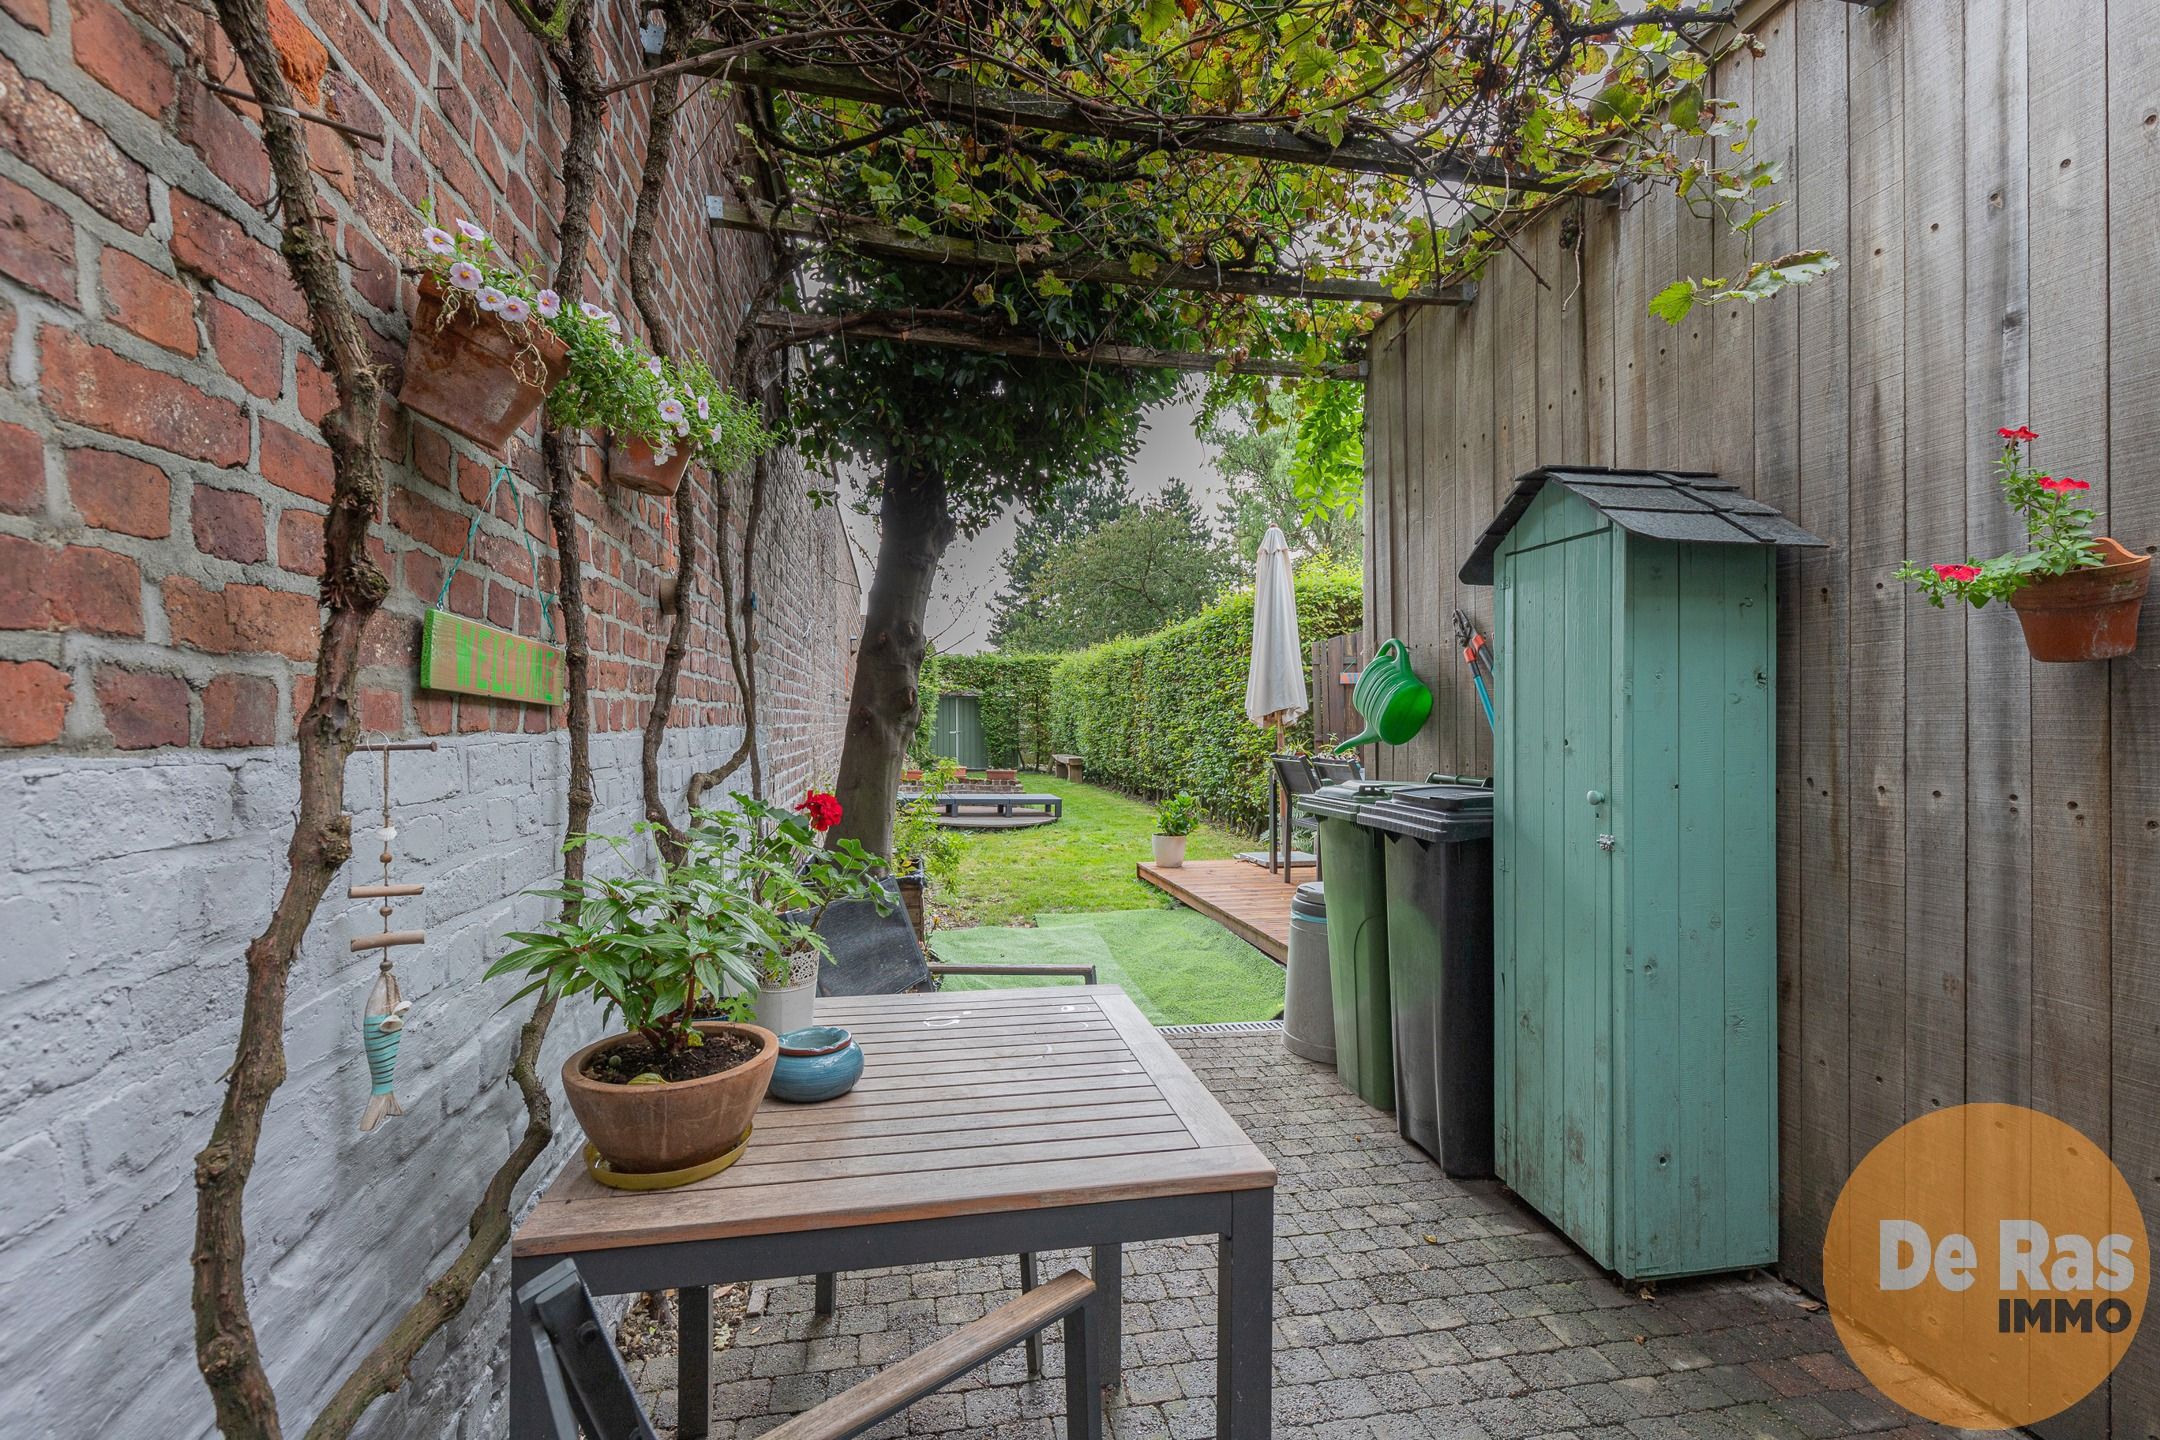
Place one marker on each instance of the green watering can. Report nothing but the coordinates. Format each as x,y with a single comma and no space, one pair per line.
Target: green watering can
1394,702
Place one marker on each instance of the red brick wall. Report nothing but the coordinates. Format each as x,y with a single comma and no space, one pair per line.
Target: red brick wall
162,478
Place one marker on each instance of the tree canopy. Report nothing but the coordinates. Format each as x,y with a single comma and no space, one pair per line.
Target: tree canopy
1153,565
1270,473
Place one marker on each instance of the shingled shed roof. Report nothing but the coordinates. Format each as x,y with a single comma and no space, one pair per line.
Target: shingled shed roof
1688,505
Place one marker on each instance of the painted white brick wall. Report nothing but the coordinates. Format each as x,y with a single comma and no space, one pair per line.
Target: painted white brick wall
129,888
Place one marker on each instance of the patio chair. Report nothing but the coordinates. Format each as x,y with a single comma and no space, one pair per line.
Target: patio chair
876,953
585,1390
1293,777
1337,769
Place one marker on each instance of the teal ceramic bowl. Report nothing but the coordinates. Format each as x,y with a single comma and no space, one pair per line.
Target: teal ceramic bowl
818,1062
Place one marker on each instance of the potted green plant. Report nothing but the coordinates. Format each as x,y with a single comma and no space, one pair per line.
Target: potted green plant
2076,594
483,353
1175,819
674,951
924,850
795,881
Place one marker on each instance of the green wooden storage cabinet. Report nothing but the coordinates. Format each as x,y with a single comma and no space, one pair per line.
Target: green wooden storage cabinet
1634,886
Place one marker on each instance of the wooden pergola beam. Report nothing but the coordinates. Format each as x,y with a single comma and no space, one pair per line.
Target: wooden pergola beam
799,329
963,102
891,243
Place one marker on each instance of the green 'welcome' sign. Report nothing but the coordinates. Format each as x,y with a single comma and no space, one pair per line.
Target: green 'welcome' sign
475,659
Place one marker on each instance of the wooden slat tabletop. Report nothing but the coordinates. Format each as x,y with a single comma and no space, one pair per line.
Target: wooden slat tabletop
971,1103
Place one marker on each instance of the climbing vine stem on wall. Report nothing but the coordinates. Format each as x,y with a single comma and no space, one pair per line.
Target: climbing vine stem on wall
666,99
352,590
385,1367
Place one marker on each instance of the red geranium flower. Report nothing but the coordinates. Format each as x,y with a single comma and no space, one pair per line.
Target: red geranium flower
822,808
1958,573
2065,484
2023,433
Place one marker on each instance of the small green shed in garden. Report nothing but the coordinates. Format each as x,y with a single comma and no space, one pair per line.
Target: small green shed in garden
959,731
1635,888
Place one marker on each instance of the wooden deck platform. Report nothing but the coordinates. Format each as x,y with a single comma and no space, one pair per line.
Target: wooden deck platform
1250,901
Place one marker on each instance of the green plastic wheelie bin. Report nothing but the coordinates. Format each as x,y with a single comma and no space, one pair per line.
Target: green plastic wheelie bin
1352,873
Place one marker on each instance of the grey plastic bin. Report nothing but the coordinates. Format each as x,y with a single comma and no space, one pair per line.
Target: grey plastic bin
1308,1006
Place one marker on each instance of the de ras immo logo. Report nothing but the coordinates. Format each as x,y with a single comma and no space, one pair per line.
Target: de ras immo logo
1987,1266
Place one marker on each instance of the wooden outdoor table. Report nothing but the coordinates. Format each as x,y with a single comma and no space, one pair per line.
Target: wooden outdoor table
987,1123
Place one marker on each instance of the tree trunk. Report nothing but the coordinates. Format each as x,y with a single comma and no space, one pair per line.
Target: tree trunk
915,525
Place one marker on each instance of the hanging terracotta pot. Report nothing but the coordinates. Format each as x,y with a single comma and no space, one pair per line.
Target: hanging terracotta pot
2089,614
474,374
631,464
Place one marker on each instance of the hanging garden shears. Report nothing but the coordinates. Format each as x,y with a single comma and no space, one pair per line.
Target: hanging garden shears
1477,654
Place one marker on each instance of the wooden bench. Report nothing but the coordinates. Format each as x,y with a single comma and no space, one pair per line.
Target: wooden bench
1067,767
587,1390
986,802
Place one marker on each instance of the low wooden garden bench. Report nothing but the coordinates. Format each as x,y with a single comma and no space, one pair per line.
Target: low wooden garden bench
1067,767
1004,804
588,1392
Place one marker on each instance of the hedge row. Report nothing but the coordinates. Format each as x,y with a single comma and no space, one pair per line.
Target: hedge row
1015,691
1166,712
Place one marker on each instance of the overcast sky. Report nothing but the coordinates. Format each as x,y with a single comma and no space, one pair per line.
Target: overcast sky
974,570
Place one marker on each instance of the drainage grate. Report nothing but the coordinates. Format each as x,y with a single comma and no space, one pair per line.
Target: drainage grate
1229,1027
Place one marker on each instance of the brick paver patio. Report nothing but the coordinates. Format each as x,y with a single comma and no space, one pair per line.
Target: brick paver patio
1406,1305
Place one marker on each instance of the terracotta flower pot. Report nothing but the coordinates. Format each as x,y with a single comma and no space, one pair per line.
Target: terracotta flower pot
631,464
475,375
2089,614
644,1129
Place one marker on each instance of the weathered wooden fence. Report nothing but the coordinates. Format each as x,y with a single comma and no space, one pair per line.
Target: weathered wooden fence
1336,663
1969,843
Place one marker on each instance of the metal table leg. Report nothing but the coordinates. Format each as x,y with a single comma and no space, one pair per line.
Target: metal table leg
1034,1341
1244,1319
693,1362
1107,1352
528,1401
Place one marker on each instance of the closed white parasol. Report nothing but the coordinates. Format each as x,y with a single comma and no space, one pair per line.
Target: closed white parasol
1275,691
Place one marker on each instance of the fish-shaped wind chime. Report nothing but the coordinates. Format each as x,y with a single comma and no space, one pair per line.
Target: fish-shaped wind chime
384,1018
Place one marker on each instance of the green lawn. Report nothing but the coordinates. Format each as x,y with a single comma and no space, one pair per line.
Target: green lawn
1072,885
1178,966
1083,862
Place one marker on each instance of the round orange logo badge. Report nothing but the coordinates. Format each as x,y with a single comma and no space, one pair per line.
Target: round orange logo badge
1986,1266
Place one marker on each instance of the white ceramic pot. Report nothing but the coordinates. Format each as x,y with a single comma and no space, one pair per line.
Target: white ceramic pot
787,1007
1169,851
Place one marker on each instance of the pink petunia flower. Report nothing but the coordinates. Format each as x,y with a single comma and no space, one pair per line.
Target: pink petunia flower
549,303
516,311
437,241
2021,434
2063,485
655,365
671,410
465,275
1958,574
492,299
471,231
704,408
591,311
